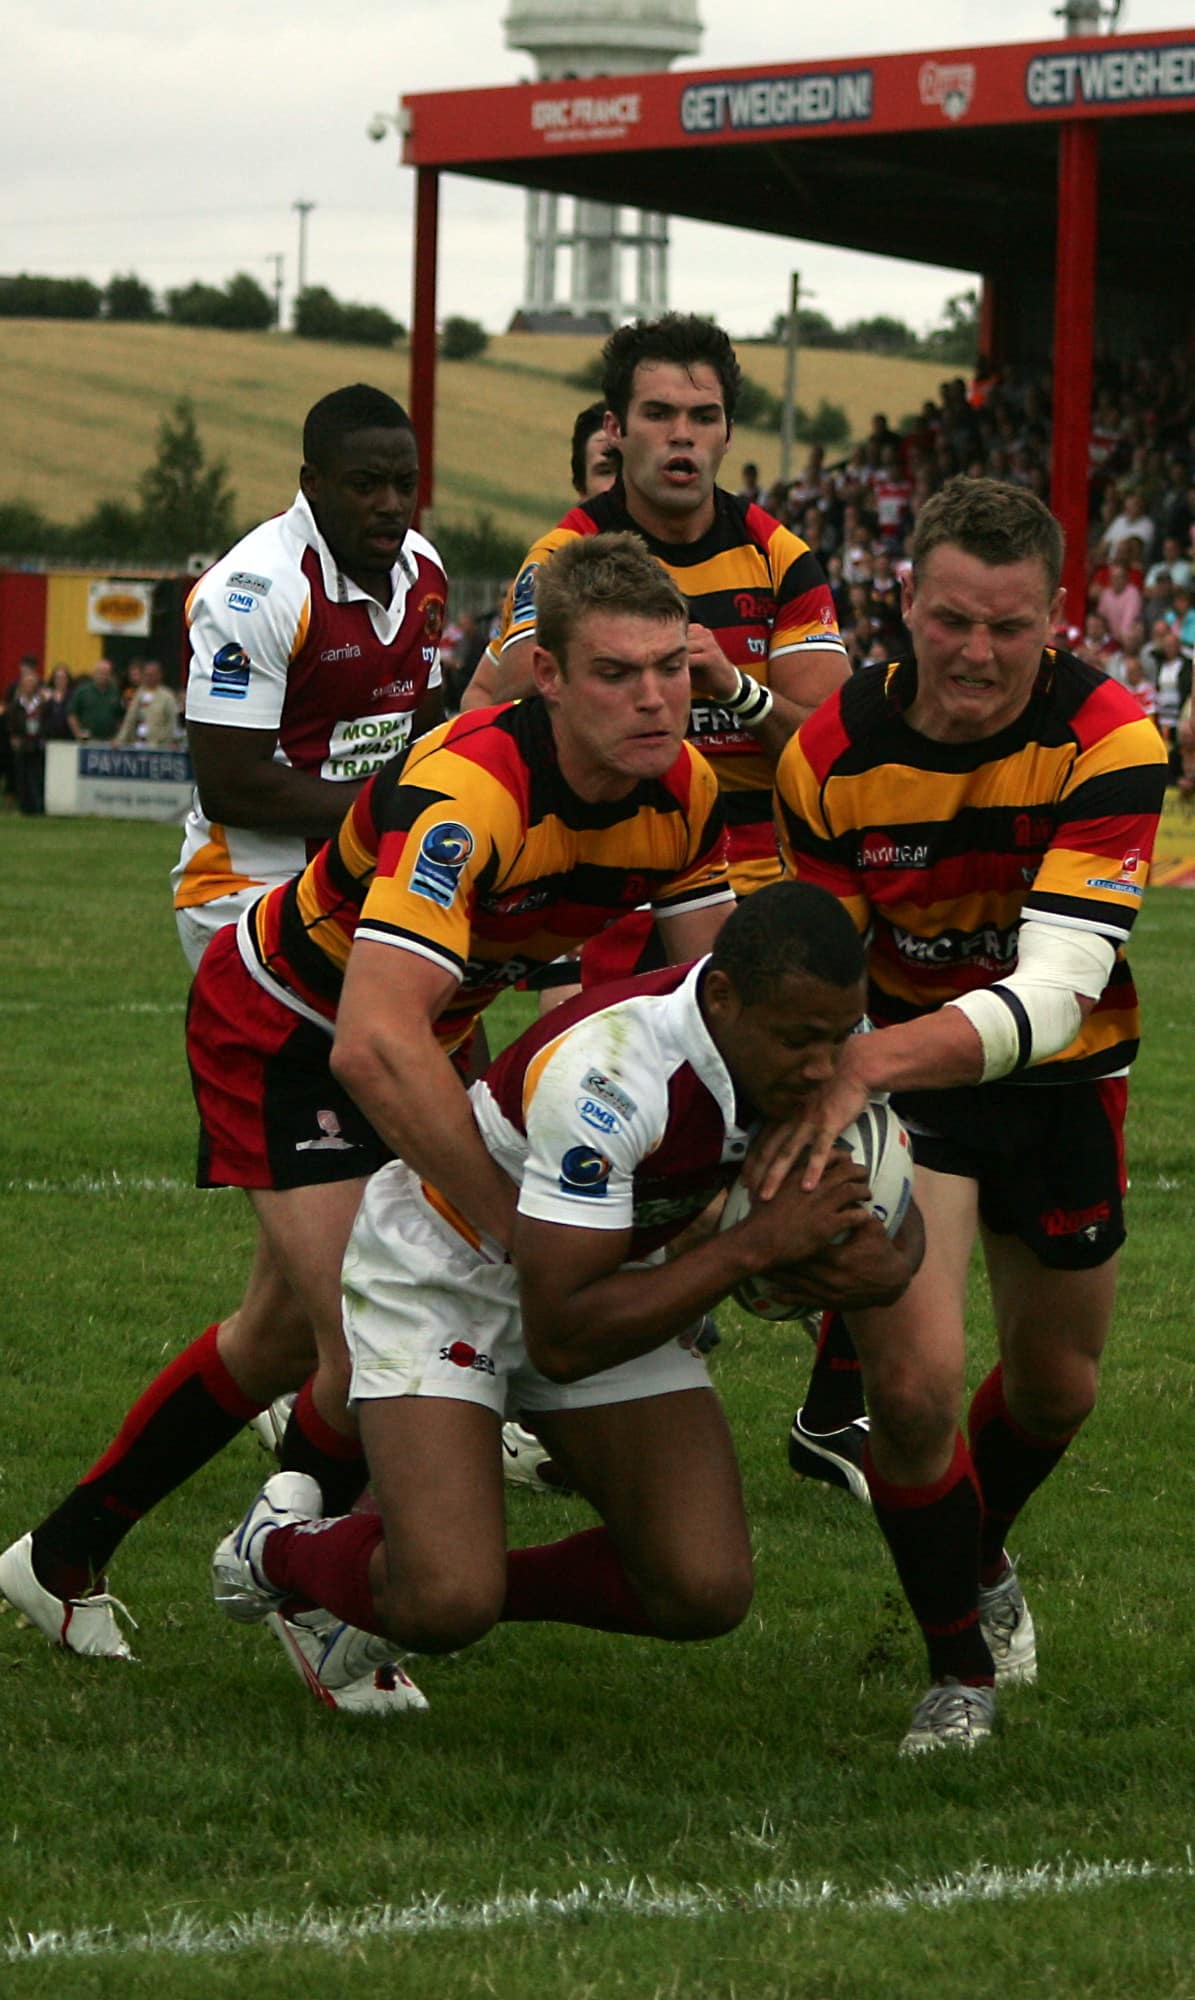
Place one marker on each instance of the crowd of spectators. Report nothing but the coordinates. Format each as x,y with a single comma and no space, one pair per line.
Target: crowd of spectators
96,707
1138,623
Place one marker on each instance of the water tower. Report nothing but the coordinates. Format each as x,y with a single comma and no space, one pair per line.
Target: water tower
589,38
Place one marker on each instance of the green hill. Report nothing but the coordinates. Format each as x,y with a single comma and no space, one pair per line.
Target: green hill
80,403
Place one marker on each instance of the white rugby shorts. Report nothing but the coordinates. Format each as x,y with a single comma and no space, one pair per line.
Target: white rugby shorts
426,1315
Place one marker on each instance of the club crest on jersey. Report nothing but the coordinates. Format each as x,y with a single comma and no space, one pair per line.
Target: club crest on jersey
524,600
443,853
433,617
230,672
582,1171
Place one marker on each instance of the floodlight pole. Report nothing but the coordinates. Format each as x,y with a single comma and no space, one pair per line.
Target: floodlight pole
304,209
422,389
788,412
276,259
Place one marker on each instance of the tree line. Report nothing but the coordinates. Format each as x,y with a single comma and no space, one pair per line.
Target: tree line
241,305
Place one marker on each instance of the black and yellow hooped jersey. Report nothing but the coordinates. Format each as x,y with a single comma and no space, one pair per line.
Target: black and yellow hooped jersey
939,850
472,851
762,593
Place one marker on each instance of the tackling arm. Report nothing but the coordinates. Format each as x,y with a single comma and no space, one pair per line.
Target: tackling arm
386,1054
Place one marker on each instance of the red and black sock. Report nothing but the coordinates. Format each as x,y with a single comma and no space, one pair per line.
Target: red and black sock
834,1397
1010,1464
933,1533
186,1416
334,1461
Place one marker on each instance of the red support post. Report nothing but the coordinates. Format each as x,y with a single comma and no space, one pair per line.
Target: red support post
1074,335
422,391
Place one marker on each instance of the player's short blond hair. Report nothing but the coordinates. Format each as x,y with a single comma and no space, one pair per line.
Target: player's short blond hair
611,573
992,520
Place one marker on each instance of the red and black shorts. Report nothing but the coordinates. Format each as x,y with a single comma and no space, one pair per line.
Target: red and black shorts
271,1113
1048,1160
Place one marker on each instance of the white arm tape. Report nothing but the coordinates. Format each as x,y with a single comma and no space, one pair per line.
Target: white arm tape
1035,1012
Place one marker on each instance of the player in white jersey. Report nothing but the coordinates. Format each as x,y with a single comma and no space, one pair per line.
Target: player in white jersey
314,658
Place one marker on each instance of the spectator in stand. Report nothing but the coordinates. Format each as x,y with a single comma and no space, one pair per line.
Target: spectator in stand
1132,520
1170,669
885,599
97,708
59,696
151,720
1131,646
1097,646
1119,602
1172,565
856,543
892,497
749,491
25,726
132,685
1182,617
1135,679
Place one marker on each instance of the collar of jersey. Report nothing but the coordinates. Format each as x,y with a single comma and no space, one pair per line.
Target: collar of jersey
340,588
685,1022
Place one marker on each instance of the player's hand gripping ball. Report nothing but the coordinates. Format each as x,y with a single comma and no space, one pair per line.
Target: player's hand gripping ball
877,1142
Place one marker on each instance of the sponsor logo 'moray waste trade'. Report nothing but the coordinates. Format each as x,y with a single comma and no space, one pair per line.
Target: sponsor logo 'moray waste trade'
760,103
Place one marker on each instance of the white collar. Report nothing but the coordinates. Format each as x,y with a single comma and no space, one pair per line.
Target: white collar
693,1038
340,588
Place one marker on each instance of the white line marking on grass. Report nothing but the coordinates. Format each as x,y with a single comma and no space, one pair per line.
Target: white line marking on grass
431,1916
113,1183
99,1006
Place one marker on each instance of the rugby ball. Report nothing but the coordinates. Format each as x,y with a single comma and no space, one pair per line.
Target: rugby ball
876,1141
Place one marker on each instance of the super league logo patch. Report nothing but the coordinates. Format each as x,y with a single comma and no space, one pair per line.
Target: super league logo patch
443,853
582,1171
230,672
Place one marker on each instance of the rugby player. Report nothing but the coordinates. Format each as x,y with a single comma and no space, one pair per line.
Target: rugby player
314,658
607,1127
986,812
491,846
763,637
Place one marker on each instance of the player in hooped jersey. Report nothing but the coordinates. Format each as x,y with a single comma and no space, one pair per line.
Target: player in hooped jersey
314,658
986,812
495,843
608,1125
763,636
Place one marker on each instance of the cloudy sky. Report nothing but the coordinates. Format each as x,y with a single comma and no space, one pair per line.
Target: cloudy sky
173,141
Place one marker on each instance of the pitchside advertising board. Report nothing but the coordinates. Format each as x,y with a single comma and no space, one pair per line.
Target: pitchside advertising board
118,781
995,86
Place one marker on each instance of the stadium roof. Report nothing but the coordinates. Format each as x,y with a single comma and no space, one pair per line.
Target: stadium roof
946,158
1033,164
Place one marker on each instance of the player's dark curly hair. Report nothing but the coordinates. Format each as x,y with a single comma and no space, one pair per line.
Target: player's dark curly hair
681,338
784,930
336,416
611,573
588,420
992,520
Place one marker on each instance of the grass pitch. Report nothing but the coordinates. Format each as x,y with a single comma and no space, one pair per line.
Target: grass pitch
578,1814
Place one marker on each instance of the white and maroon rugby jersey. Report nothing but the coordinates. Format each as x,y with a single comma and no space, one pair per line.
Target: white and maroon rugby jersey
616,1111
281,639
